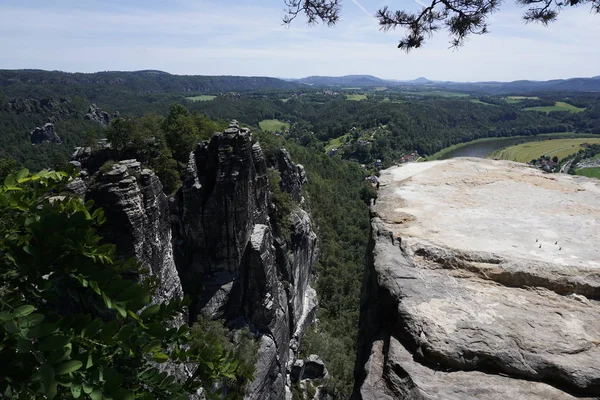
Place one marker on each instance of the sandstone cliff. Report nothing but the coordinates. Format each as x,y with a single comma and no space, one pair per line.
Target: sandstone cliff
482,283
138,221
214,241
232,263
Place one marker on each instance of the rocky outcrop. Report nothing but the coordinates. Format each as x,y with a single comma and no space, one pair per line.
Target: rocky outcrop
138,221
311,368
44,134
232,263
482,283
96,114
293,175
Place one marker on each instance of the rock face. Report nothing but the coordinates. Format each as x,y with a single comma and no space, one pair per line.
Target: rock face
138,221
214,242
44,134
483,282
233,265
97,115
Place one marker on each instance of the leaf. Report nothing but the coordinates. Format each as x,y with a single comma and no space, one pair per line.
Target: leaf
5,316
23,345
94,286
120,308
68,367
126,331
96,394
87,389
47,373
122,394
76,391
107,300
24,310
54,342
60,354
150,311
160,358
11,327
51,390
41,330
108,331
153,346
24,173
33,320
9,181
112,380
90,362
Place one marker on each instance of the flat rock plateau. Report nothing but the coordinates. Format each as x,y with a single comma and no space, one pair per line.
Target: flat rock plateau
482,282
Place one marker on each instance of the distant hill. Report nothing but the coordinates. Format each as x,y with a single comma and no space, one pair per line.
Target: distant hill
522,86
16,82
346,81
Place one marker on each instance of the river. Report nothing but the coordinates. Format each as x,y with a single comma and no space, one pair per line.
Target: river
484,148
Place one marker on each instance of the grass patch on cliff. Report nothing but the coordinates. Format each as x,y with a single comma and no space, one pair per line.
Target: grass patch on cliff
526,152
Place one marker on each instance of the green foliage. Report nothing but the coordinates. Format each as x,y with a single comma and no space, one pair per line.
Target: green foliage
72,321
241,344
367,193
283,203
342,221
107,166
8,166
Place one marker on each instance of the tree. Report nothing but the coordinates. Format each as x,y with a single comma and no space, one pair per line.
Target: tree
460,18
120,133
76,321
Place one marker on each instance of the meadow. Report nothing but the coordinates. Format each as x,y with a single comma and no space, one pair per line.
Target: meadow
593,172
526,152
203,97
356,97
518,99
558,106
273,125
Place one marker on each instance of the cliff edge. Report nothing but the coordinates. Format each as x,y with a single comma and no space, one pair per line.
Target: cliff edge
482,282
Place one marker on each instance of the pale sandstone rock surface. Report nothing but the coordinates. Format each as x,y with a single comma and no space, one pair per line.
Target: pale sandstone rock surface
459,299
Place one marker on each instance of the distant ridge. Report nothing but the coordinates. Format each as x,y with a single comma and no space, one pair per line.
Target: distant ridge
347,80
27,82
491,87
146,81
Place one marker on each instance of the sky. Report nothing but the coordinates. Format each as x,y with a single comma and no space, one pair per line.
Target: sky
241,37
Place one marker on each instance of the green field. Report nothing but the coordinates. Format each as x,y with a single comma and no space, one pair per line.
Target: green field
558,106
593,172
437,93
273,125
285,100
356,97
526,152
518,99
336,143
203,97
477,101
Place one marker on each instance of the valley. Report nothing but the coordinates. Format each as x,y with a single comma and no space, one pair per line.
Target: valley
237,202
